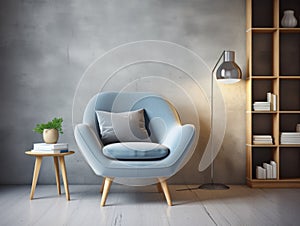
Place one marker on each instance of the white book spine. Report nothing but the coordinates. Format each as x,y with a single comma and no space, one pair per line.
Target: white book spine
261,173
268,168
269,97
274,169
274,102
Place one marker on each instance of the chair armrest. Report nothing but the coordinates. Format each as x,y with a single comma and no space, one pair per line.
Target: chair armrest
89,145
180,140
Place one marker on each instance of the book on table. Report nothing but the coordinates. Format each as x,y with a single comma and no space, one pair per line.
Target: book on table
44,148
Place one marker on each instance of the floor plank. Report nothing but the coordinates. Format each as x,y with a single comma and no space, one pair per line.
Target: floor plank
132,206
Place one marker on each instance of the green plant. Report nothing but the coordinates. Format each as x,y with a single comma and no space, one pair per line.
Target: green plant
56,123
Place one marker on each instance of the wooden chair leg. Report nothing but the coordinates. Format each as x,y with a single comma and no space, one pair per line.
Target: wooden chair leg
166,191
107,185
159,188
102,185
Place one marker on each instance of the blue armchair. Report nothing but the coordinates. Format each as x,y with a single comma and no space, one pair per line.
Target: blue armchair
163,151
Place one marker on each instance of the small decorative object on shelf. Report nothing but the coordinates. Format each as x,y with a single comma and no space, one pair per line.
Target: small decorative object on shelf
268,171
50,130
288,19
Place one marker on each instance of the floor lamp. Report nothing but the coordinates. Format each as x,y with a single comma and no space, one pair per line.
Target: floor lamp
228,72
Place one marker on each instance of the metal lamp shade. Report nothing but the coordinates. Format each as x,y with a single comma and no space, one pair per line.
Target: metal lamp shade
229,72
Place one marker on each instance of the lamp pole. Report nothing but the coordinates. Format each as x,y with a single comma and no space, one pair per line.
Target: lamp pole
228,72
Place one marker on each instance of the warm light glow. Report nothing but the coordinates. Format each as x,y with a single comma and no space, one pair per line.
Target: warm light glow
229,81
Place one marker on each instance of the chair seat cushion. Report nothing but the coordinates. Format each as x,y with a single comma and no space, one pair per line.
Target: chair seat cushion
136,151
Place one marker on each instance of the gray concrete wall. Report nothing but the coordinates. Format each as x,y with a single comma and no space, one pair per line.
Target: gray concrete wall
46,46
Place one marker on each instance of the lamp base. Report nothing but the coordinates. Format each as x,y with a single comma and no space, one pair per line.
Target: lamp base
213,186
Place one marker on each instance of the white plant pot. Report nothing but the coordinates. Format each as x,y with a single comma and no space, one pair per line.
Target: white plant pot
50,136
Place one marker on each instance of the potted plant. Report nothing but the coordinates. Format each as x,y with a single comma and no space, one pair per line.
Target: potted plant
50,130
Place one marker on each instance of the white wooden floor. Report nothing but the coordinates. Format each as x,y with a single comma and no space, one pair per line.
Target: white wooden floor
145,206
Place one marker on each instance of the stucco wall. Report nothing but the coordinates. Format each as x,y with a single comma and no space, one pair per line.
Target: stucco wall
47,45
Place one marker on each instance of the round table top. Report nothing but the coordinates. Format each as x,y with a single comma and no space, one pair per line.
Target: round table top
48,154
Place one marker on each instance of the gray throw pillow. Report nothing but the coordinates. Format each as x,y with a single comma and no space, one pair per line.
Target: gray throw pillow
122,127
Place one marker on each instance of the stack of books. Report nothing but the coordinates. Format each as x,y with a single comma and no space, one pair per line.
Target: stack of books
262,139
267,171
261,106
290,138
44,148
269,105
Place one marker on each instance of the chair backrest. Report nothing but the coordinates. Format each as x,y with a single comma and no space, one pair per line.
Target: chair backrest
160,115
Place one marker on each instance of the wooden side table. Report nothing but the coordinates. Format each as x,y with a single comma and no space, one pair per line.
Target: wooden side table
37,166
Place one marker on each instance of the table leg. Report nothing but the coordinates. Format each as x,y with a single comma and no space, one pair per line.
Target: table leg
64,175
37,166
55,158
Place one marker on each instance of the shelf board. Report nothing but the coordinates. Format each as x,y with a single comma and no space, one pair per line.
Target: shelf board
289,112
273,112
263,77
289,30
290,180
289,145
263,112
289,76
274,29
274,183
262,145
265,180
273,145
262,30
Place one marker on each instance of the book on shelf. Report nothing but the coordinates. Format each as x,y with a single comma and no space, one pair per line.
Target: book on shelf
262,142
290,141
261,173
267,170
262,136
274,169
290,138
269,105
290,134
261,106
262,139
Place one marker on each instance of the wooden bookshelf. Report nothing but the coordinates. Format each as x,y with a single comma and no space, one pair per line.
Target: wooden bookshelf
273,65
